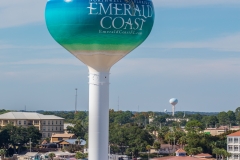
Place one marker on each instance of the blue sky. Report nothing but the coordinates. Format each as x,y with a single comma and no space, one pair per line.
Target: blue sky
192,54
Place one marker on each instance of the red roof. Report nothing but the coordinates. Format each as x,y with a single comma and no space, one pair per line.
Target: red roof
235,134
176,158
180,151
203,155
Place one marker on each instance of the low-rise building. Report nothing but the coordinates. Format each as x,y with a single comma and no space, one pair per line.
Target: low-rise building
46,124
220,130
233,145
59,137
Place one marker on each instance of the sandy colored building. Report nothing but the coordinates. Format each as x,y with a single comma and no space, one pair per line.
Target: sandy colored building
220,130
46,124
59,137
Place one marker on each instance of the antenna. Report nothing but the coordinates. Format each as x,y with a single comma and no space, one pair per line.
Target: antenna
76,101
118,103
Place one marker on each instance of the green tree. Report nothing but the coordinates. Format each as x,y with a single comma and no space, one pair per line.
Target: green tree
237,114
223,118
79,129
80,155
2,153
148,148
51,155
217,152
81,115
156,145
133,136
34,134
182,141
159,120
161,133
194,126
5,136
232,117
212,121
124,117
197,117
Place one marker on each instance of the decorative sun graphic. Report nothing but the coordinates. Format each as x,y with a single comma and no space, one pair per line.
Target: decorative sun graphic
131,2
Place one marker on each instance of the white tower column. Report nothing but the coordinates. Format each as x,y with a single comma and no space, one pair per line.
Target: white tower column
173,110
98,115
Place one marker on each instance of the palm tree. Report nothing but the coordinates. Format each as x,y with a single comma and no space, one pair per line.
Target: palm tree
182,141
217,152
51,155
148,147
199,150
2,153
224,153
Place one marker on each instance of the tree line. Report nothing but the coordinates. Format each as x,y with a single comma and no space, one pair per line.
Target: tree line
14,139
132,132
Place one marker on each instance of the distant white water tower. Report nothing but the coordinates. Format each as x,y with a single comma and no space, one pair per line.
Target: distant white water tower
173,102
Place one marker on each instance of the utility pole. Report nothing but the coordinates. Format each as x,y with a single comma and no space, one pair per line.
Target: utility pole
76,102
30,145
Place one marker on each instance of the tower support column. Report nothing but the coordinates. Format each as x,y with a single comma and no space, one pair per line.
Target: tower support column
173,110
98,115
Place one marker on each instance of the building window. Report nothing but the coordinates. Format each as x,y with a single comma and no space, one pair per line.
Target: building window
52,122
230,148
56,122
230,140
48,122
56,128
43,128
235,140
60,138
44,122
60,128
48,134
19,122
235,156
48,128
60,122
24,122
235,148
43,134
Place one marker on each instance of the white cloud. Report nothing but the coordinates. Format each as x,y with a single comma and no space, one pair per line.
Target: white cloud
188,3
16,13
228,43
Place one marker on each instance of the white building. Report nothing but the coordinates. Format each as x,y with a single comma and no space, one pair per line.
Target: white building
46,124
233,145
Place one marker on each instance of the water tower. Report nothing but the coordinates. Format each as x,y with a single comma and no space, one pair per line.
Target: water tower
173,102
99,33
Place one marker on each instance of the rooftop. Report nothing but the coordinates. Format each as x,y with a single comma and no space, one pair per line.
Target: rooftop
27,115
66,135
203,155
235,134
176,158
180,151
